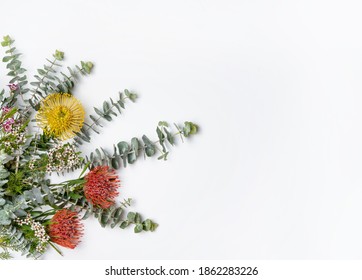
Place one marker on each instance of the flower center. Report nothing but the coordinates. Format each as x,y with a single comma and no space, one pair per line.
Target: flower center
59,119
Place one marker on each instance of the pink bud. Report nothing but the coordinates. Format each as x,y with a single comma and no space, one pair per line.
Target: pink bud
13,87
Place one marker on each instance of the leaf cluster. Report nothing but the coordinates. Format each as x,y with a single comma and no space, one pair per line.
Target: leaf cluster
128,152
116,216
109,110
16,71
12,238
49,79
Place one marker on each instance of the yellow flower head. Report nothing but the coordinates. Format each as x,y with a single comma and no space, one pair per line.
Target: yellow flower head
61,115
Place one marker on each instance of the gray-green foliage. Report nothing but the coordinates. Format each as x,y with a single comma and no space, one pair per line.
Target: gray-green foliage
117,216
134,218
110,108
113,216
48,80
16,71
9,210
128,152
3,173
13,239
5,255
45,80
69,194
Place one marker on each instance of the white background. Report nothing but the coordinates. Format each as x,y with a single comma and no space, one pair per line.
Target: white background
276,87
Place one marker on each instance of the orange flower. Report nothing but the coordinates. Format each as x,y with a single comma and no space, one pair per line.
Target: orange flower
65,228
101,186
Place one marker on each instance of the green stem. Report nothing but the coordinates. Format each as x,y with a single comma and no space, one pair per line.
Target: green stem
142,148
45,213
69,183
55,248
74,75
17,163
179,132
17,77
158,149
99,118
42,79
67,77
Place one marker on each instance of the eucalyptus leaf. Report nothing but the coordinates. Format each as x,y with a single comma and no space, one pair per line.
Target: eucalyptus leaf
4,218
131,217
124,224
138,228
150,148
123,148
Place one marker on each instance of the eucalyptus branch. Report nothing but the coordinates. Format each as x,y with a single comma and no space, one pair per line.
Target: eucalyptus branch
14,65
55,248
107,112
11,52
68,82
58,56
129,152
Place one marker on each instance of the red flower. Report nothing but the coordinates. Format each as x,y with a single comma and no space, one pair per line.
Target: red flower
101,186
65,228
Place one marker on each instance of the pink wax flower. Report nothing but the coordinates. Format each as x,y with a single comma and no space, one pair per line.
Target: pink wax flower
8,125
5,109
9,121
13,87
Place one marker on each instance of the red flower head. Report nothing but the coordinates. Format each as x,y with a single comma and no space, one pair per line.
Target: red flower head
101,185
65,228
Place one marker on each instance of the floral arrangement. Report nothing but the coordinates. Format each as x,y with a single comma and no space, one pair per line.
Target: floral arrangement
42,127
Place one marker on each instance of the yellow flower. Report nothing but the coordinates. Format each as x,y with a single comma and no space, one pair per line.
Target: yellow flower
61,115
